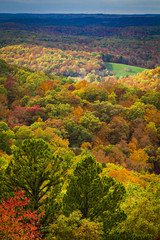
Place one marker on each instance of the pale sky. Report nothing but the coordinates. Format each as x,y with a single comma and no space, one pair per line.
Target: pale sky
81,6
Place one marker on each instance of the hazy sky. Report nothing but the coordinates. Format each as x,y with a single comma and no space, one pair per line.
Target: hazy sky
80,6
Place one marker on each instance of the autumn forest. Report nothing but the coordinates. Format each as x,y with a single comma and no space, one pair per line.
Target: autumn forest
79,141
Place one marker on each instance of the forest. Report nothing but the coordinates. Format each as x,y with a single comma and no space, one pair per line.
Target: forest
79,145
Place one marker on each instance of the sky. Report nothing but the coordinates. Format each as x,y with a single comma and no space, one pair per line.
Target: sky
81,6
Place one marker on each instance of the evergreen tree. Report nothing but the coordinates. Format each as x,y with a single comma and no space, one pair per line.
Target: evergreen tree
97,197
35,170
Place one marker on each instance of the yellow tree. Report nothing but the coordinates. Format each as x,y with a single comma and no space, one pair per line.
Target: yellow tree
139,159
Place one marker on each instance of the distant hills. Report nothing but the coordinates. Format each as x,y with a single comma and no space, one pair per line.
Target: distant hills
107,20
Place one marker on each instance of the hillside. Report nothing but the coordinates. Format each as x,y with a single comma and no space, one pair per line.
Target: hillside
53,60
131,45
112,106
116,123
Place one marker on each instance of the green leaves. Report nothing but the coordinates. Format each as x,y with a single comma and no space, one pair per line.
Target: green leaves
74,227
90,122
94,196
77,134
136,110
34,169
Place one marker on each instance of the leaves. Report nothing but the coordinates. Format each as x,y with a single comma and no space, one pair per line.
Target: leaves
15,221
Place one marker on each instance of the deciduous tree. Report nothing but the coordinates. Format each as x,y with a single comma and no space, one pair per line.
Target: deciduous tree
16,222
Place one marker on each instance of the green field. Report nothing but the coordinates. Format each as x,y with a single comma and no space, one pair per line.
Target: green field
122,70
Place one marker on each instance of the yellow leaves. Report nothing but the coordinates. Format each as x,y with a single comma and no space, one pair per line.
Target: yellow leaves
125,176
152,115
150,178
133,145
50,136
139,159
82,84
58,142
139,156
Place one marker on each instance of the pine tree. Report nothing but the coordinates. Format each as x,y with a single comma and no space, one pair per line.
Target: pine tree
95,196
35,170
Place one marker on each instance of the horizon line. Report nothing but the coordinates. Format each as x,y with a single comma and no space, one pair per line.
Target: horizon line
81,13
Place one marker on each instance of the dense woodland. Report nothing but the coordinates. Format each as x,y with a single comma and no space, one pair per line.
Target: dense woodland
79,147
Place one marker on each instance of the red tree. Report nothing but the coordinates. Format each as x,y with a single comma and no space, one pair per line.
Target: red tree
16,222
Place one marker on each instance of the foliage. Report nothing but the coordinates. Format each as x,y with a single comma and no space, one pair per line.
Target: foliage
143,209
15,221
90,122
51,124
6,136
35,170
73,227
77,134
51,60
95,197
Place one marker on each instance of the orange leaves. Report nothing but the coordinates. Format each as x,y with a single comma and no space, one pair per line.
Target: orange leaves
16,222
86,145
52,60
152,115
77,114
125,176
139,159
46,86
133,145
82,84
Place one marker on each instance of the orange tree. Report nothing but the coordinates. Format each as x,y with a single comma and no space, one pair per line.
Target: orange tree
16,222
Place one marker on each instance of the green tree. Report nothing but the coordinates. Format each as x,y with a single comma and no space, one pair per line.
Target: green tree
77,134
74,227
59,111
3,166
143,207
151,98
106,110
137,110
90,122
35,170
96,197
23,132
6,136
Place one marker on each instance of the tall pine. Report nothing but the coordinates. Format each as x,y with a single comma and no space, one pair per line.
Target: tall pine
98,198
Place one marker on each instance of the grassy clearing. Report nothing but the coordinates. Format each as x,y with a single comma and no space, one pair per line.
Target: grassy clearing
123,70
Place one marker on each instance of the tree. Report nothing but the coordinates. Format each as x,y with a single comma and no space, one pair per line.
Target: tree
59,111
90,122
15,221
96,197
77,134
151,98
23,132
106,110
73,227
6,136
118,129
137,110
34,170
143,207
139,159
